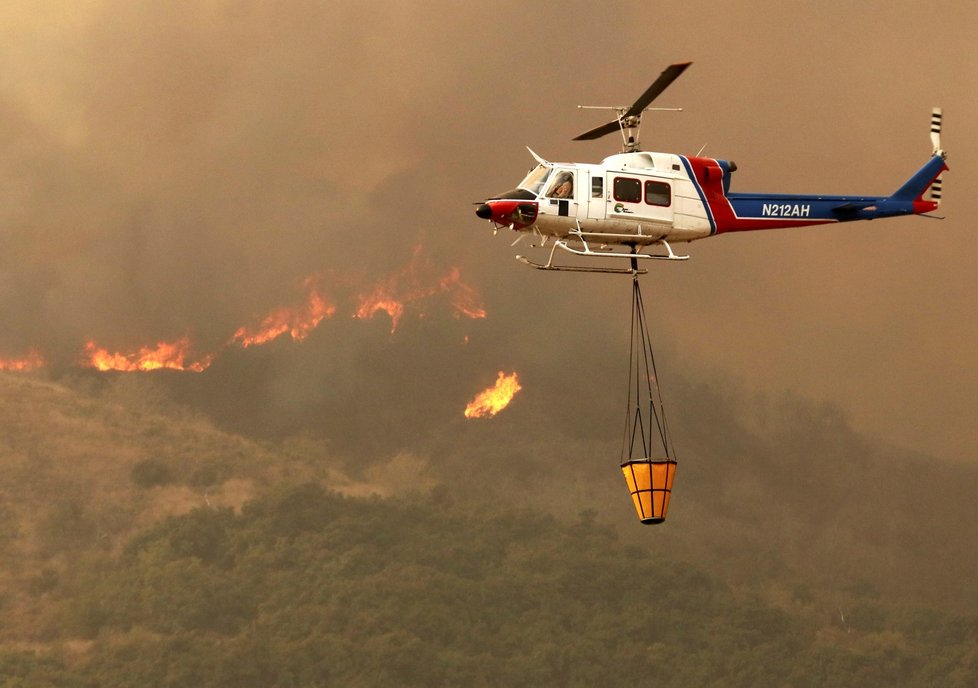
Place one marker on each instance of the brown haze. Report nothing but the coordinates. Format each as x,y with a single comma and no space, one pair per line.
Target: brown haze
174,170
275,199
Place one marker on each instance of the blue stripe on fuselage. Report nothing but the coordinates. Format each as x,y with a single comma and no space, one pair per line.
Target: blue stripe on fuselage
696,185
799,207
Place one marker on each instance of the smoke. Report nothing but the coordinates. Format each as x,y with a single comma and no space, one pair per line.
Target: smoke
218,154
181,170
178,170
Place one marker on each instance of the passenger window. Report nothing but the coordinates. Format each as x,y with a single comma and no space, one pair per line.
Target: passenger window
628,190
658,193
597,187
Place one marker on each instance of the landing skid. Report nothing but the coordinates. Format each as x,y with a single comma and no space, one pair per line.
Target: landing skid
588,252
580,268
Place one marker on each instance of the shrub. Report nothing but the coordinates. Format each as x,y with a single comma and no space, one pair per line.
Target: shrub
151,473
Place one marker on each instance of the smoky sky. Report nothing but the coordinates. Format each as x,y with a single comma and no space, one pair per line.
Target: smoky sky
175,169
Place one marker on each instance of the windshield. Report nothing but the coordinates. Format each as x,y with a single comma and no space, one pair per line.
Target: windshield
535,180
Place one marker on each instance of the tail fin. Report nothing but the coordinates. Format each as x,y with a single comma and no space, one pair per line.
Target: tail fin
931,174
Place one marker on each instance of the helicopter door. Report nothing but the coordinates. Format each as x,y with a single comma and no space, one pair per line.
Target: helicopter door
561,193
595,200
639,198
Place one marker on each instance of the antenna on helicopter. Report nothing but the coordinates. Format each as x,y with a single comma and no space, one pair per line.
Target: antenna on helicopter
629,120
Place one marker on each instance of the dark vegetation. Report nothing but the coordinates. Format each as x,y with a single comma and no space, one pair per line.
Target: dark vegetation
795,554
307,588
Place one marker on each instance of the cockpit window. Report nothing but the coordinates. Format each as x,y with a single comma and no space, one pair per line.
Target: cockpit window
562,185
535,180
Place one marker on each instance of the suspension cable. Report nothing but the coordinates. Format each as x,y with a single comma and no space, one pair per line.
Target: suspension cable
645,413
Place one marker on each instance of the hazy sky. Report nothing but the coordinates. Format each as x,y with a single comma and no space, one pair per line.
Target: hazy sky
179,168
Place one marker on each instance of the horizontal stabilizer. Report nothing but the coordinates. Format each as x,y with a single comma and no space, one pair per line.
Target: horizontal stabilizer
851,207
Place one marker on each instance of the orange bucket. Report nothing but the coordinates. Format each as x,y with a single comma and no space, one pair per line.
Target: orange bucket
650,484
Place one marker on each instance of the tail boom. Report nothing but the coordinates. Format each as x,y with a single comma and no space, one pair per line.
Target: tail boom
738,212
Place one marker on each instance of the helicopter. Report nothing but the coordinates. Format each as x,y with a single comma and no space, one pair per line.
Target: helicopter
636,204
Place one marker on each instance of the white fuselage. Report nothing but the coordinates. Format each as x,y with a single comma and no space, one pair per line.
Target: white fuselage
648,196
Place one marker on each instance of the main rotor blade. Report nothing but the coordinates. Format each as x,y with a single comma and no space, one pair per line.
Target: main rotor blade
669,74
598,132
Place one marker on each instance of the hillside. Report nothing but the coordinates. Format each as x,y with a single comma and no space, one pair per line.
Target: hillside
82,469
763,485
306,587
143,545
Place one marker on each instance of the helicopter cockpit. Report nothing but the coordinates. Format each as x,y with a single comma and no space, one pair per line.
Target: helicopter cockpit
558,183
518,208
535,179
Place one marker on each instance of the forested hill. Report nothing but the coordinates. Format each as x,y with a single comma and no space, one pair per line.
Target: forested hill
142,546
308,588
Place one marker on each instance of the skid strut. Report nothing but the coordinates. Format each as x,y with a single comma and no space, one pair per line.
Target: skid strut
586,251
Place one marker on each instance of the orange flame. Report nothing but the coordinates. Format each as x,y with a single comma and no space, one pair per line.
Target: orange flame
412,284
491,401
170,355
380,300
465,299
393,295
32,360
298,322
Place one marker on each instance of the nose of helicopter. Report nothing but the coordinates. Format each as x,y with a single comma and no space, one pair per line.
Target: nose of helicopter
508,212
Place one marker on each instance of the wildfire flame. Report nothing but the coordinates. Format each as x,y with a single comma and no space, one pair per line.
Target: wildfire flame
170,355
298,322
394,295
32,360
465,299
411,284
491,401
380,300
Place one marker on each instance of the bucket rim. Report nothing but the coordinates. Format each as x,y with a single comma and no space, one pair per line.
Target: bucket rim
656,461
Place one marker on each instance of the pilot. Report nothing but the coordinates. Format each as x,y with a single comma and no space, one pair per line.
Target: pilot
563,186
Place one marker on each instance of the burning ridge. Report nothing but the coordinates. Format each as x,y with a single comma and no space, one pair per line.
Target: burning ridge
407,288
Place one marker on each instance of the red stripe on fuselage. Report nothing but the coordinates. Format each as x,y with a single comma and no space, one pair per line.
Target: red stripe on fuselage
709,177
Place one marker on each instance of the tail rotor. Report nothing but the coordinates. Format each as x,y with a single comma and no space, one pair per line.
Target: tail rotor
936,125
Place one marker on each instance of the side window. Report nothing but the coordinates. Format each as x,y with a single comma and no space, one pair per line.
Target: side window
562,185
597,187
627,190
658,193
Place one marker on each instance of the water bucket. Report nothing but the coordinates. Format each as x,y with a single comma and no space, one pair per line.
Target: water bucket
650,484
